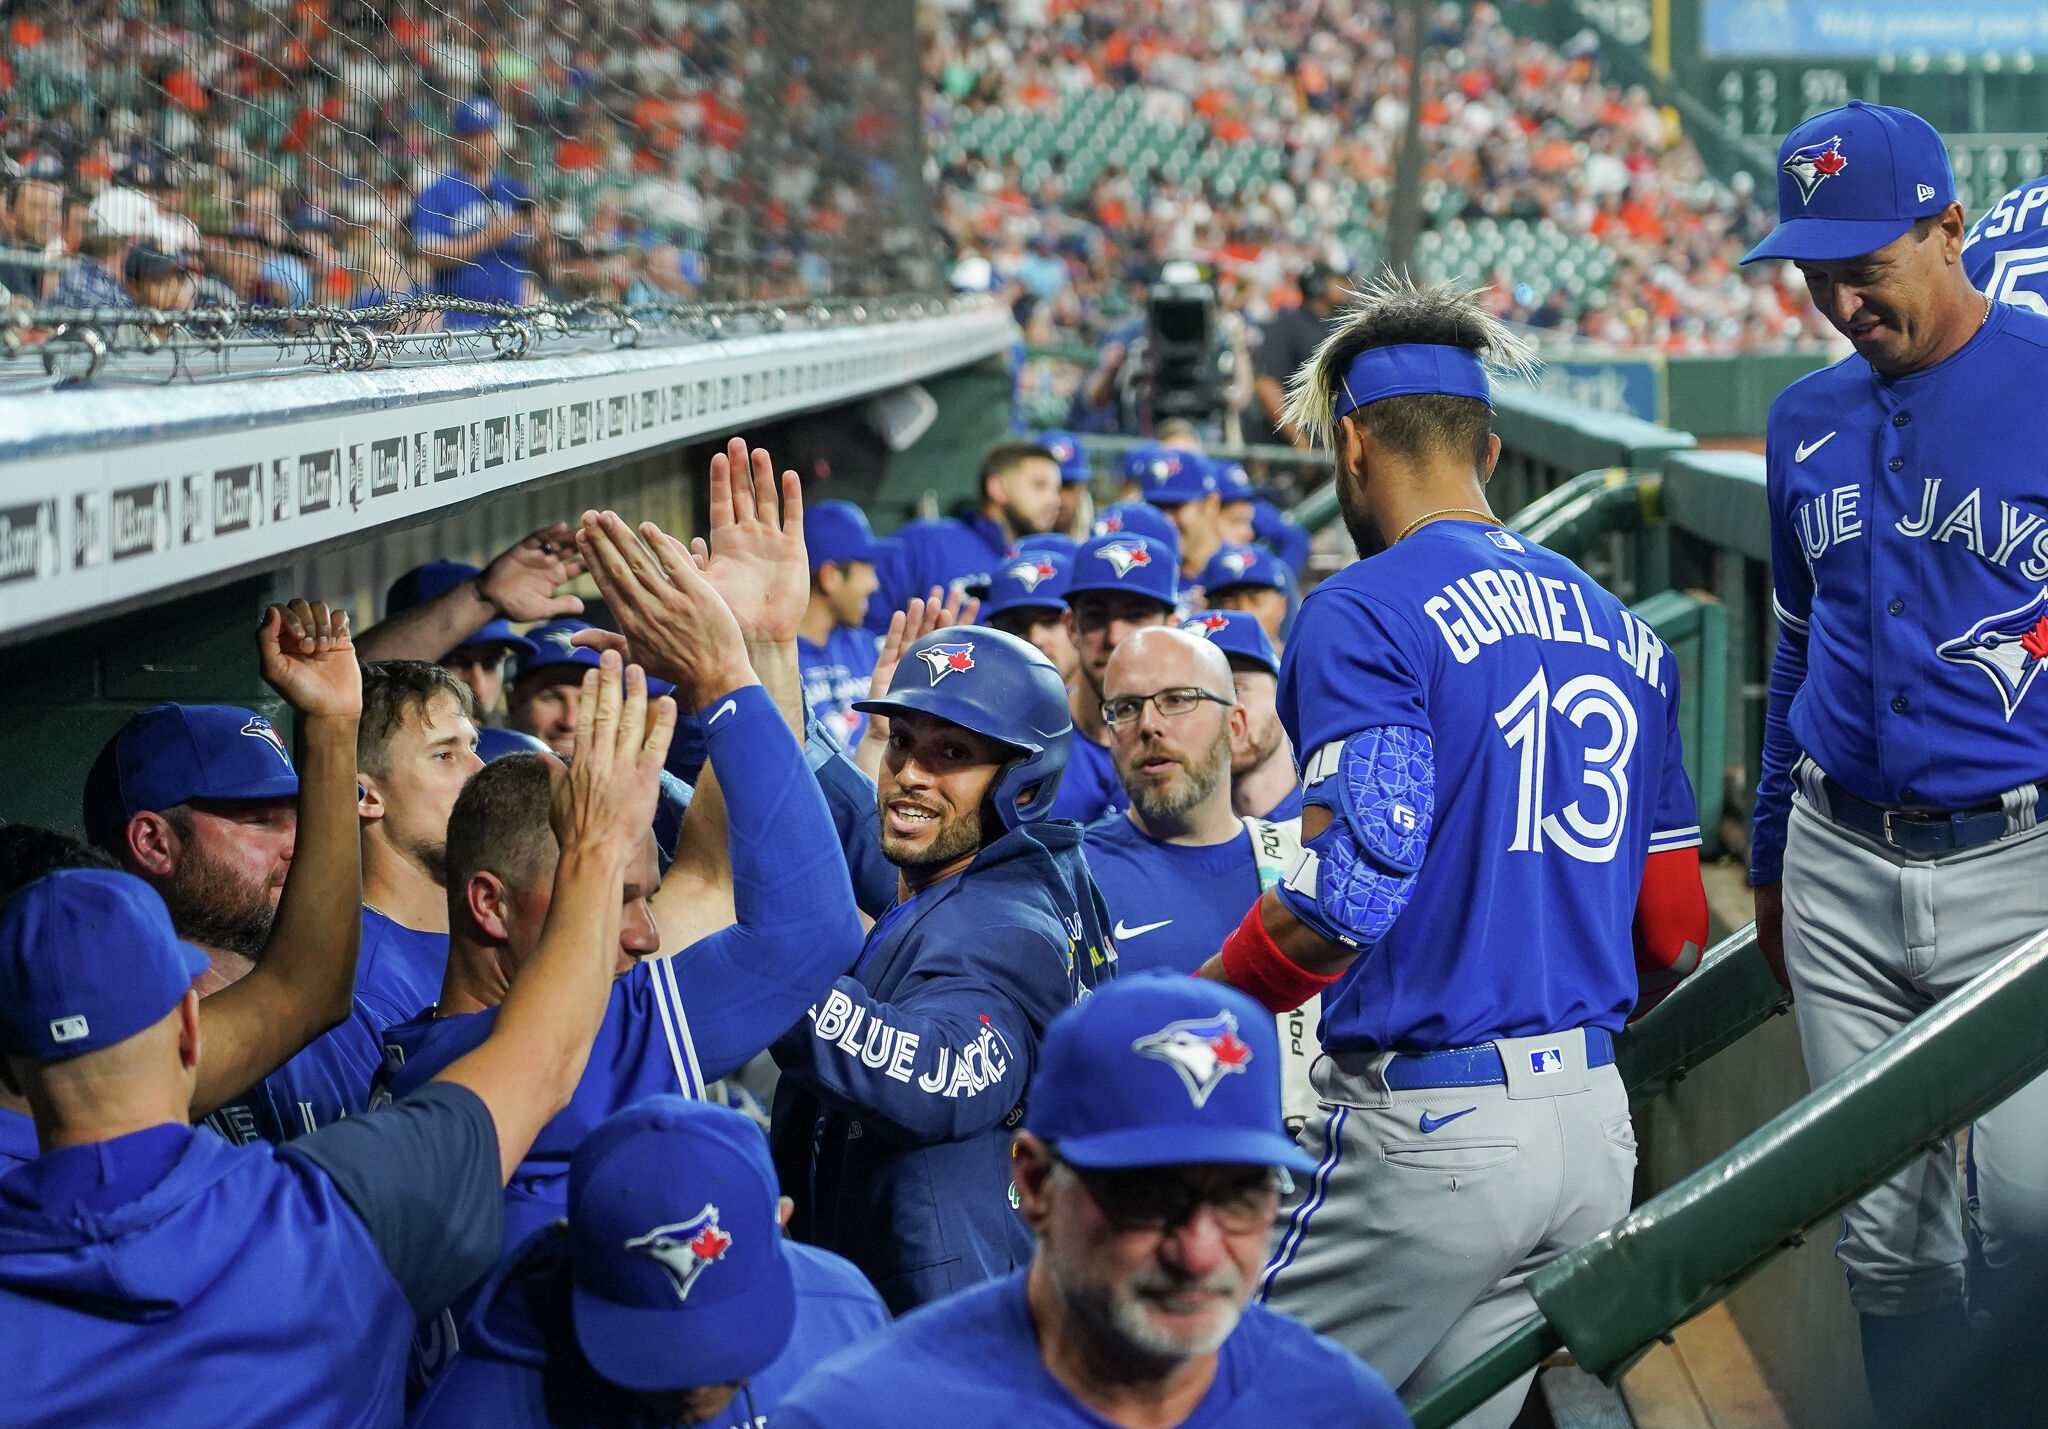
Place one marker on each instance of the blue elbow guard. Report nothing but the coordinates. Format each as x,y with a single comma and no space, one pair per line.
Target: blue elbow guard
1353,879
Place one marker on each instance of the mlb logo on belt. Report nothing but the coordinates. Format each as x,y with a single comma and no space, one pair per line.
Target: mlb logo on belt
944,660
1545,1060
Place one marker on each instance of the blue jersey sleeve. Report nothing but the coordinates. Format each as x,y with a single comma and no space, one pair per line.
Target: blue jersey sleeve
423,1175
745,985
1675,821
1351,668
1792,602
850,798
952,1055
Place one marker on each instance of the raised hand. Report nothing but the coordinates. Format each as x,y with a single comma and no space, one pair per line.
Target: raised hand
521,583
306,655
605,801
756,557
919,618
674,622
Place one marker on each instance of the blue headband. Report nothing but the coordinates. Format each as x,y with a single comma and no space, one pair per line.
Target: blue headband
1408,368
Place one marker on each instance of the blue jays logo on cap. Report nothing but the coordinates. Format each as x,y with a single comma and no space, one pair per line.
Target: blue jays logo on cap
685,1249
1236,562
944,660
260,728
1125,556
1206,626
1062,449
1029,573
1204,1051
563,639
1815,163
2009,647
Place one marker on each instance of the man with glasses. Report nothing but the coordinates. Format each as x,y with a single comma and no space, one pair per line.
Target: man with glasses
1120,582
1149,1175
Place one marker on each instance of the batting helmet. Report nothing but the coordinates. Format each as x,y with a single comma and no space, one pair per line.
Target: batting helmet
1003,689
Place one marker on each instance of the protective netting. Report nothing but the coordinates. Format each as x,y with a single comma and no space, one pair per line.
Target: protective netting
340,181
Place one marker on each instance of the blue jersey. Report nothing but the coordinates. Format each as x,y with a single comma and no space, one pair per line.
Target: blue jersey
453,206
167,1277
17,1140
521,1368
835,675
1088,789
973,1359
1909,565
398,972
2006,251
953,553
1171,905
1553,713
1287,808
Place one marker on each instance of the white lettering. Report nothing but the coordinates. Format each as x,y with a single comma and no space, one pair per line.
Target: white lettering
2014,526
1964,521
1847,522
832,1020
1530,606
1552,589
1489,586
1463,647
2036,567
1923,523
848,1041
1471,606
874,1051
935,1080
900,1063
1586,619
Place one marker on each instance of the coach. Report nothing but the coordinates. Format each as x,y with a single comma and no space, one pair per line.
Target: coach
1896,852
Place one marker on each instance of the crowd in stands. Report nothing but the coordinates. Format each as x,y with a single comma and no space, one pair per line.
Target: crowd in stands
184,153
1576,197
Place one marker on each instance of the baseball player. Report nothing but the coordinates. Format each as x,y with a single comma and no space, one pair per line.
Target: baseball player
835,649
1120,583
1498,833
1076,506
1018,491
1139,518
145,1264
2006,253
256,867
455,615
1896,852
542,700
1263,782
667,1296
1250,578
897,1093
1028,599
415,747
1148,1175
1183,484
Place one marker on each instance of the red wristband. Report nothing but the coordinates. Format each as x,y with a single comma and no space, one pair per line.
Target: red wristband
1253,963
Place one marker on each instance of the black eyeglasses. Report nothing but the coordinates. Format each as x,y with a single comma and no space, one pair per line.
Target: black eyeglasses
1171,703
1160,1199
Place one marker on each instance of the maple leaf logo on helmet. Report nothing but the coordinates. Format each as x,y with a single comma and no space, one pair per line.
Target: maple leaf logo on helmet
1125,556
685,1249
944,660
1815,164
1202,1050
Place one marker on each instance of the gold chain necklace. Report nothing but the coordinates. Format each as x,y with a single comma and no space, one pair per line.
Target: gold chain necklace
1487,516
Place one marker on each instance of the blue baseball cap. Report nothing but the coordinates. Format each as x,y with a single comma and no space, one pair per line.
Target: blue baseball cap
1233,482
1238,633
1171,477
88,958
171,754
1125,562
679,1275
1030,580
1067,451
1139,518
1850,180
495,743
423,583
551,647
1042,541
1237,565
473,115
1161,1069
1136,462
837,532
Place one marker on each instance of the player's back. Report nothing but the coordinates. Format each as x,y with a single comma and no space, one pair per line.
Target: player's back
2006,251
1552,712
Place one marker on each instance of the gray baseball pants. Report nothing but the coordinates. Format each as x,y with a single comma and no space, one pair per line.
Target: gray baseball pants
1411,1247
1873,938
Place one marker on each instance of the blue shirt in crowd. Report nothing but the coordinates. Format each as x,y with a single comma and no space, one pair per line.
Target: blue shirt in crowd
1173,904
835,675
453,206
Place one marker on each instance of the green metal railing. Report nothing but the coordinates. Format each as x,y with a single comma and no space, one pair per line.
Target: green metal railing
1681,1252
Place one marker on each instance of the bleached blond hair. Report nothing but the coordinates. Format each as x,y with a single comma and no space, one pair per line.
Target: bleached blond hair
1394,308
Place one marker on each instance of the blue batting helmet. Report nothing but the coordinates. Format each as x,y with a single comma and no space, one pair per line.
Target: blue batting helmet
1003,689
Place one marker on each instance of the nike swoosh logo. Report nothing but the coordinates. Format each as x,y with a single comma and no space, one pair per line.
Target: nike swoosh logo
1431,1123
1123,932
1804,450
725,709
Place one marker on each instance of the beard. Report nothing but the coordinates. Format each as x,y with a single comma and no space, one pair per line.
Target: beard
432,855
1366,537
1118,1314
1260,745
1028,523
211,906
1164,800
956,838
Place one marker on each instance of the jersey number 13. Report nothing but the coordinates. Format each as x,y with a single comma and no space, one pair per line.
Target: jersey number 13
1606,723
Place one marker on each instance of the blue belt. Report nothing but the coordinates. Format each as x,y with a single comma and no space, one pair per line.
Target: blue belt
1921,832
1476,1066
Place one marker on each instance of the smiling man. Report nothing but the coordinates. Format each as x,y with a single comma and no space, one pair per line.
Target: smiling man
1149,1177
1896,851
898,1094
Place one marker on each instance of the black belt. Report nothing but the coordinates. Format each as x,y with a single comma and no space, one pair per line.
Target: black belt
1921,832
